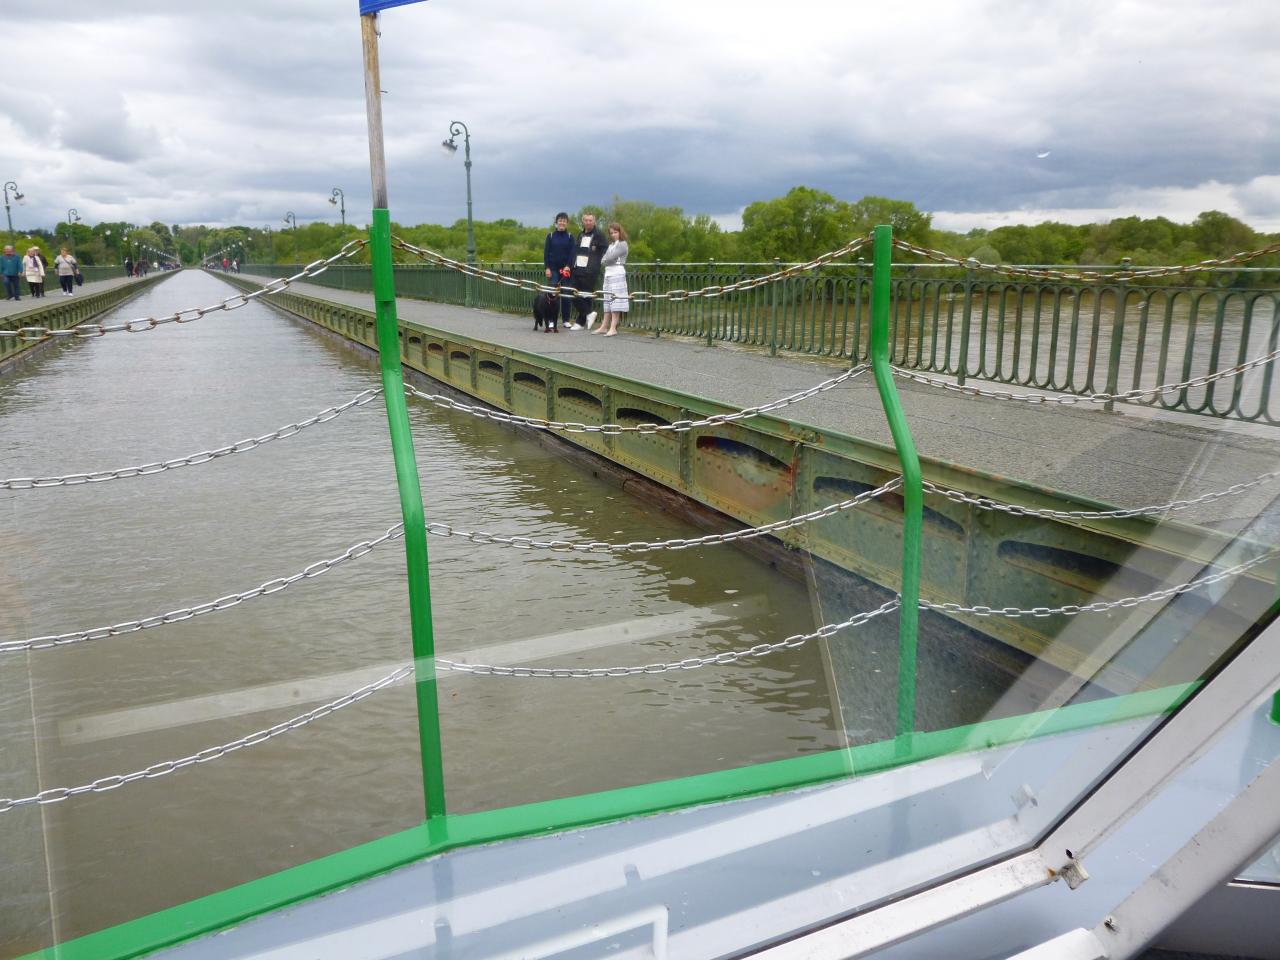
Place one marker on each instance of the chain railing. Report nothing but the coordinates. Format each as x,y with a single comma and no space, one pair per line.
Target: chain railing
208,754
192,459
353,552
1069,398
639,296
1087,276
1173,506
1100,606
189,314
613,429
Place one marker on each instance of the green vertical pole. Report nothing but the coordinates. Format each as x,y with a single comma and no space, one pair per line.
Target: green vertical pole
415,531
1275,708
912,490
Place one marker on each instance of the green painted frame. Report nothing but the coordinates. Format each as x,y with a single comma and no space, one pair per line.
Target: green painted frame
227,908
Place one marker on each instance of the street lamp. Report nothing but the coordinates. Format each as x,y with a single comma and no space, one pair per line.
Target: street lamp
290,217
451,147
72,217
340,198
17,198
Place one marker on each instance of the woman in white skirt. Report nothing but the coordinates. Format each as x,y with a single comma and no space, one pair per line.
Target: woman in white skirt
615,281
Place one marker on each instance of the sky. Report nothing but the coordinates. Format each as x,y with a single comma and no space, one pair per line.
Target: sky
981,113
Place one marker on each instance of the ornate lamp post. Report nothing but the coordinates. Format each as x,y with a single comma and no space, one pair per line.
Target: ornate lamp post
73,217
451,147
340,199
17,198
291,218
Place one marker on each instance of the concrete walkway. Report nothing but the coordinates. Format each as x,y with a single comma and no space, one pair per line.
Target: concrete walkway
53,294
1127,459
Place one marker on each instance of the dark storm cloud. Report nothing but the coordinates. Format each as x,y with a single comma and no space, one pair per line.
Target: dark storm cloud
242,111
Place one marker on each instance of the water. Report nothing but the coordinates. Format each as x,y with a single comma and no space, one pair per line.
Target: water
90,555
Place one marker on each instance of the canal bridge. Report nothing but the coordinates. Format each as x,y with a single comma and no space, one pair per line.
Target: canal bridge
1102,599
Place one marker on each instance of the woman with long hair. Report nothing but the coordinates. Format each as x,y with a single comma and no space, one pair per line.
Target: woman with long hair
616,301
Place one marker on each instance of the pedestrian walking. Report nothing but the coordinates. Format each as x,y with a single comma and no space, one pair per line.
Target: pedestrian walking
589,249
557,259
128,266
65,265
33,268
11,270
616,298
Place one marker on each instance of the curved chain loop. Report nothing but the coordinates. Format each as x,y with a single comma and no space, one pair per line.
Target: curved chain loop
165,767
353,552
1038,273
986,503
643,546
188,314
1100,606
1068,398
692,663
636,296
613,429
193,459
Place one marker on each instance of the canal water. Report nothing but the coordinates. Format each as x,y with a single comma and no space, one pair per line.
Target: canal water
97,554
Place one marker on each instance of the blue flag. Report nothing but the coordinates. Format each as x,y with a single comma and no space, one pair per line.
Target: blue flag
373,6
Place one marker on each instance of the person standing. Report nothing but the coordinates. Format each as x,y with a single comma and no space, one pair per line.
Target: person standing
616,300
65,265
557,259
589,249
11,270
33,267
128,266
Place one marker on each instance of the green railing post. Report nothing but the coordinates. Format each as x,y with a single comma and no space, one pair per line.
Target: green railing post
966,327
912,491
415,531
1275,708
773,310
1117,342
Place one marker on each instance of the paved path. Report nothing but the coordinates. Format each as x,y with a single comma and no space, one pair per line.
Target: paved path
1126,459
53,294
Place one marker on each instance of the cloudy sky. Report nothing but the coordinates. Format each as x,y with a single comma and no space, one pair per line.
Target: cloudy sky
981,112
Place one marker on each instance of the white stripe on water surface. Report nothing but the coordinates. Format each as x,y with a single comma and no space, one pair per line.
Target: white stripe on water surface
289,693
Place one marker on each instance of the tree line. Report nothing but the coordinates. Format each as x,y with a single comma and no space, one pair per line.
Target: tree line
797,226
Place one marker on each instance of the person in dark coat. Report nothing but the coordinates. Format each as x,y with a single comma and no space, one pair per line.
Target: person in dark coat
557,259
128,266
589,248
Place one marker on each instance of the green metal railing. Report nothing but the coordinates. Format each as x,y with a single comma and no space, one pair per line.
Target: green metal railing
1075,338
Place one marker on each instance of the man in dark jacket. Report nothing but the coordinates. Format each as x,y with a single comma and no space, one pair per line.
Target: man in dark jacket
589,248
557,258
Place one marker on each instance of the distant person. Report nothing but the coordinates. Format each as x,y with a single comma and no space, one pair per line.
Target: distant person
557,258
65,265
615,282
235,264
128,266
588,251
33,268
11,270
225,264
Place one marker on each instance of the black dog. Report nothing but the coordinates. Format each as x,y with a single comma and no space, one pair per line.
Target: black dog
546,311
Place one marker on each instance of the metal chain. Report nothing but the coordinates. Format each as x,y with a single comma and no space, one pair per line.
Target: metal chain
692,663
613,429
1068,398
353,552
1071,609
1041,274
986,503
87,330
204,456
165,767
636,296
643,546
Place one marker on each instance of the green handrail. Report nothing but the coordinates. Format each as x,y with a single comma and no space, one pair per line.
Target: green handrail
912,488
415,530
